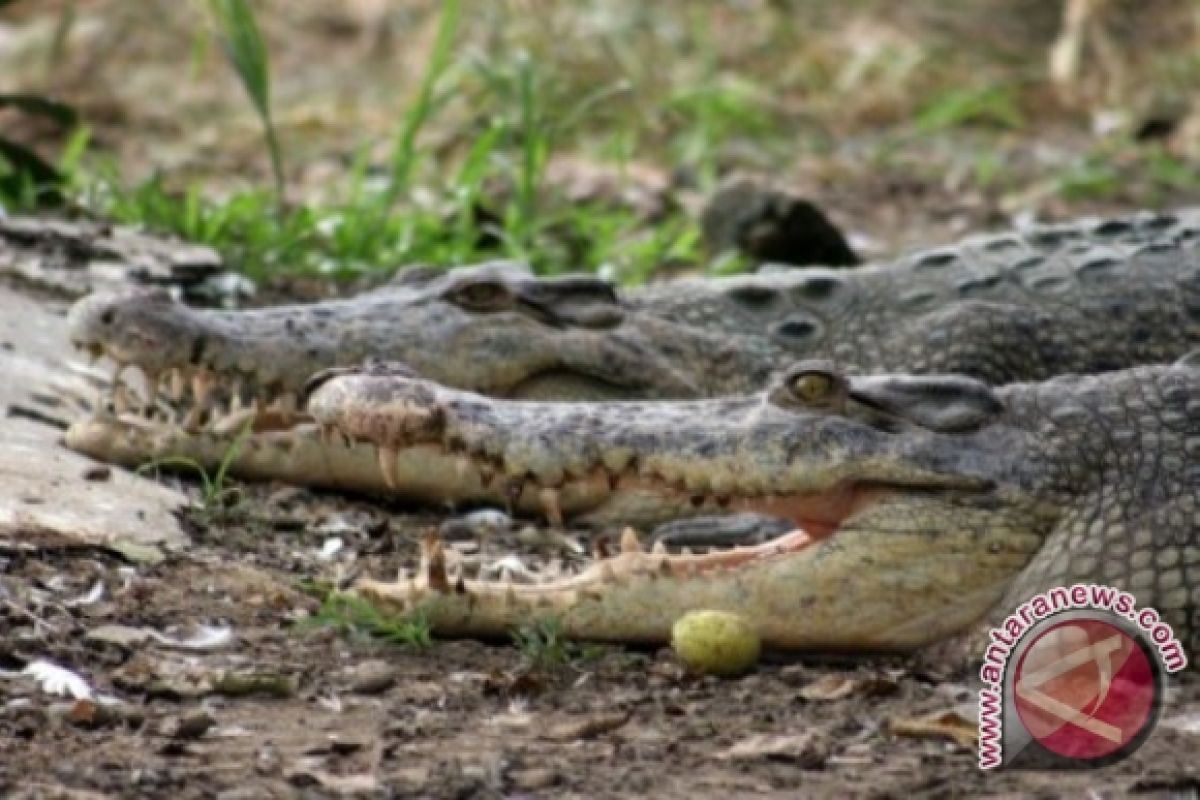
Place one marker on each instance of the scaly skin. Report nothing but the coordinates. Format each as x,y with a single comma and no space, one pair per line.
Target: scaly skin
923,502
1083,297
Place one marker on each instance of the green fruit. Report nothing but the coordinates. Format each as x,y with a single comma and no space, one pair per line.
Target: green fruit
716,642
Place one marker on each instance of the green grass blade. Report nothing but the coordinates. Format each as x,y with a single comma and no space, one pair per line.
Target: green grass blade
241,39
243,44
404,154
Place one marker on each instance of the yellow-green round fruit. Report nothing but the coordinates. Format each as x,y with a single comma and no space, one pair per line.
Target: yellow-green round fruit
716,642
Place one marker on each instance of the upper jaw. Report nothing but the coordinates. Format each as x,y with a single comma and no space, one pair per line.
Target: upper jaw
648,460
169,366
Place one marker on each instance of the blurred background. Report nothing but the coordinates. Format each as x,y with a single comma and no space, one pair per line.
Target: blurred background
306,137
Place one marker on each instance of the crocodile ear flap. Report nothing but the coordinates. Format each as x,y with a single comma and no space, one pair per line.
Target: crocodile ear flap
577,300
942,403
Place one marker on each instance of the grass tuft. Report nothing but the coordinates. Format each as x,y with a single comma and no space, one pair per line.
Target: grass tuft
544,645
990,106
354,615
218,498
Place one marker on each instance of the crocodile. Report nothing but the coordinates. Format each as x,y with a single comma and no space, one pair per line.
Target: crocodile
920,503
1002,308
1087,296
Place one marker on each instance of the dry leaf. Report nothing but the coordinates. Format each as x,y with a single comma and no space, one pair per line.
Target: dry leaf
948,724
589,727
809,750
829,687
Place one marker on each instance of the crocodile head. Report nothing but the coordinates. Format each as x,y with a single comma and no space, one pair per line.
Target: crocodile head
816,446
493,328
911,498
920,502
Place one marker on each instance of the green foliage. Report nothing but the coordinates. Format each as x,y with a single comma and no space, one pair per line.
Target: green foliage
483,192
490,202
532,116
405,153
217,497
544,645
1170,172
347,238
988,167
1089,179
242,41
26,180
351,614
991,106
1121,169
712,113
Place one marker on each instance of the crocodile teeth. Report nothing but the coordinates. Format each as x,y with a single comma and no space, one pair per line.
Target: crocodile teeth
387,465
120,398
433,565
551,506
630,542
659,549
178,384
153,386
202,384
236,389
330,433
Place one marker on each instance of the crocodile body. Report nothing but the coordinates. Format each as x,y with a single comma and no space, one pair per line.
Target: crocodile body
921,502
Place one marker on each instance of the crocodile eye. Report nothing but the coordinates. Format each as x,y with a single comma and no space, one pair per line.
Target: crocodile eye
480,296
812,387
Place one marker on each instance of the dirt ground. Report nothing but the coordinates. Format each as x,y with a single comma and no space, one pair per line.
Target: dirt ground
224,684
286,708
207,670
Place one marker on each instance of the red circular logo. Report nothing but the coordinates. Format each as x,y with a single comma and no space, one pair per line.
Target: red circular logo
1084,688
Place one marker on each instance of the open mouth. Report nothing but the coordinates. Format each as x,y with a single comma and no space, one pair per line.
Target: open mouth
195,397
